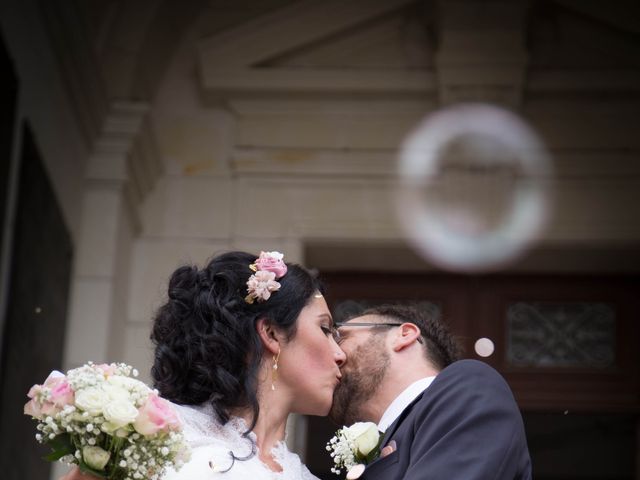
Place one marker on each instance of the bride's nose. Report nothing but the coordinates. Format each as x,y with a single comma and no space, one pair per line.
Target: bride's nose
340,357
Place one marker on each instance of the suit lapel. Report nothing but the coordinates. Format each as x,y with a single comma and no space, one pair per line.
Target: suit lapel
394,426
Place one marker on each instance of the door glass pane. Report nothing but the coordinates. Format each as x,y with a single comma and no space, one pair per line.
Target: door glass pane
573,334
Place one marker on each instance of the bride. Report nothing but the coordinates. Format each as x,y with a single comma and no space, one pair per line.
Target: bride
239,345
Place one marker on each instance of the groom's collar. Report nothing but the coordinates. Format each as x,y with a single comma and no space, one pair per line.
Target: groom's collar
402,401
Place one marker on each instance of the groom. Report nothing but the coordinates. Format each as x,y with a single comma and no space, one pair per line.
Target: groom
441,418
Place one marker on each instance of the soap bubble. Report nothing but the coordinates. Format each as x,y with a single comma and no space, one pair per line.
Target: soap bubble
484,347
473,191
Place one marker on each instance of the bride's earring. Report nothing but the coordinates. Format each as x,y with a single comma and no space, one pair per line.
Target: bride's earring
274,370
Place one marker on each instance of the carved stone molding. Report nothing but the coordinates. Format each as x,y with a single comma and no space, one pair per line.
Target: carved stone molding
125,154
78,65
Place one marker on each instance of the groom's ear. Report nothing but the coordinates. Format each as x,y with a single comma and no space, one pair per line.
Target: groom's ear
405,335
268,335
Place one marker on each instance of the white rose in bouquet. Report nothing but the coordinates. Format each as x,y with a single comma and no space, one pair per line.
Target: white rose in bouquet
120,413
116,392
127,384
95,457
91,400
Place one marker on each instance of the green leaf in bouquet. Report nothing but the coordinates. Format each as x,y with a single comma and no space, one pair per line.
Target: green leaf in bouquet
61,446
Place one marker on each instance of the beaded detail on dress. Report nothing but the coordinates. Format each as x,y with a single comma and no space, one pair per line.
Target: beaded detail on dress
213,443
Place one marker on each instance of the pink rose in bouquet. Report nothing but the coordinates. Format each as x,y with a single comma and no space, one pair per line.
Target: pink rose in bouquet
155,415
62,394
107,369
33,407
50,397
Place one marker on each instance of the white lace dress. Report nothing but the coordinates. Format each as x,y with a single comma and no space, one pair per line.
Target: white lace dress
212,444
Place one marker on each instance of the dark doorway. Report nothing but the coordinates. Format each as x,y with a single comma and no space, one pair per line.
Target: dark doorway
34,323
571,446
8,97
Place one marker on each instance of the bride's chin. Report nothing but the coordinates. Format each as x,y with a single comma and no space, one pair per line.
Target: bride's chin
316,410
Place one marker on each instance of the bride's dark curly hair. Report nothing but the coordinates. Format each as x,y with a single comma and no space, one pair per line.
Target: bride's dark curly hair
207,348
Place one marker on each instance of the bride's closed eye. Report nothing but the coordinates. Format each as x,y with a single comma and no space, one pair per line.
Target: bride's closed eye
326,329
330,330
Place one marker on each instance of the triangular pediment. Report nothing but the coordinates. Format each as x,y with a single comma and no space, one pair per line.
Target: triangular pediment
359,46
486,51
396,41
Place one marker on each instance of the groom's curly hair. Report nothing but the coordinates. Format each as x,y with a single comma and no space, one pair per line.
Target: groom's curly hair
207,348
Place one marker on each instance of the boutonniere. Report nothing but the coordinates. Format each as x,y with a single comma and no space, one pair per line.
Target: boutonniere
354,447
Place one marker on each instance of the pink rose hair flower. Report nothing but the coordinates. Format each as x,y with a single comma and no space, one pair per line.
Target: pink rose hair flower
269,267
260,286
271,262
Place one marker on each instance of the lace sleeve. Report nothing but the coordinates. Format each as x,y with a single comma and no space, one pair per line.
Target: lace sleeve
292,466
307,475
213,447
198,467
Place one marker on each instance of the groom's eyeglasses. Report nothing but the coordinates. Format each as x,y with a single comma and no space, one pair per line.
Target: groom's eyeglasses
338,337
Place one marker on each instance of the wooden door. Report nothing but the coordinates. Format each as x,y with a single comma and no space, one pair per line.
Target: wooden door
566,344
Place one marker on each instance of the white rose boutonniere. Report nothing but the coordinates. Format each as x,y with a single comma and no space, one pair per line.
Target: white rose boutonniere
354,447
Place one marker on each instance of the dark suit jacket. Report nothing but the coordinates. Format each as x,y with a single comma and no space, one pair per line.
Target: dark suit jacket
465,426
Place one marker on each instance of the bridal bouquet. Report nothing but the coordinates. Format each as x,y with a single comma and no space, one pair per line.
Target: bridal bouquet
354,447
108,423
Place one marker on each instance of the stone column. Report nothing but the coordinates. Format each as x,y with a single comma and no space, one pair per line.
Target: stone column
120,172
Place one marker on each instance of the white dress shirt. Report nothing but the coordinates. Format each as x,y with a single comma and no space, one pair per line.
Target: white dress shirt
402,401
